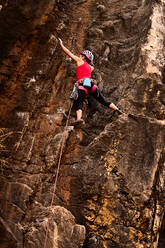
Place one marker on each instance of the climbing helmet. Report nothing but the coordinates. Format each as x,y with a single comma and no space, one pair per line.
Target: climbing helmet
88,54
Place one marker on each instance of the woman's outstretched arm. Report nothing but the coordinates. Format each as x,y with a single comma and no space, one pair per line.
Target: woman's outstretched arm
69,53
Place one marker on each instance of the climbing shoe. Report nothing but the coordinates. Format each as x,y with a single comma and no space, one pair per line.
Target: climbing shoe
78,122
119,111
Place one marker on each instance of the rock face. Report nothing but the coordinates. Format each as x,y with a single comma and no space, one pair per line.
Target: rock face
108,188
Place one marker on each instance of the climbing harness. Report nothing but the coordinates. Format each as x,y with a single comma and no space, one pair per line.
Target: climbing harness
58,168
86,84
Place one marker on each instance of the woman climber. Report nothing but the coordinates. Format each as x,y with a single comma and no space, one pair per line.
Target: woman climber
85,83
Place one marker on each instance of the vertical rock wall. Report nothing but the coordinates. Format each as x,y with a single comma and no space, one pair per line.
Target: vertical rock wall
110,188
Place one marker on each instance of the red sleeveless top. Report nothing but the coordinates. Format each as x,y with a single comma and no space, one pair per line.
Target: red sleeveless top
83,71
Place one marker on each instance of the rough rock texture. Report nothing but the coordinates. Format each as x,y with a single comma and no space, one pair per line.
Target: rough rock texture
110,187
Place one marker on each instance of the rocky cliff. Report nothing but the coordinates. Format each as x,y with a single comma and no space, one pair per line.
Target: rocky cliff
108,189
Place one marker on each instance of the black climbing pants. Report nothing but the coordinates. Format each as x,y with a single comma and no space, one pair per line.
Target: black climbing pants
78,104
98,96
